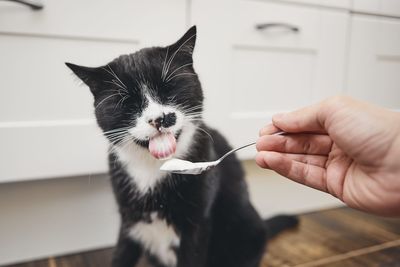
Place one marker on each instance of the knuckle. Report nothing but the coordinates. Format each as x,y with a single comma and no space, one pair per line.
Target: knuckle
338,100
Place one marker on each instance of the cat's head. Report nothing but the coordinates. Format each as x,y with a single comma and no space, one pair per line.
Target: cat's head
150,98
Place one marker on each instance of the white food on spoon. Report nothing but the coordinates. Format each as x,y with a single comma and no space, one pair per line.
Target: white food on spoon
184,166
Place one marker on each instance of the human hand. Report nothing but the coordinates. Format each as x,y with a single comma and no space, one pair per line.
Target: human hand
341,146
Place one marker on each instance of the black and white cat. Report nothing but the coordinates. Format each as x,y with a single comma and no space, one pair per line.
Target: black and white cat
149,106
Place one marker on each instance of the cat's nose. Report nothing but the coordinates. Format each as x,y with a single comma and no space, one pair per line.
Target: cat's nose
165,121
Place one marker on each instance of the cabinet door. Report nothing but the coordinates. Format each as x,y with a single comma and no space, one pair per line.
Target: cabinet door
374,63
384,7
250,74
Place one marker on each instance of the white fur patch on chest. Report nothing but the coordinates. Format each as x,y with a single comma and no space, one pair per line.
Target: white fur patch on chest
143,168
157,237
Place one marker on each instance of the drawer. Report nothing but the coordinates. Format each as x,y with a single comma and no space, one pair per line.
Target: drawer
285,26
36,85
102,19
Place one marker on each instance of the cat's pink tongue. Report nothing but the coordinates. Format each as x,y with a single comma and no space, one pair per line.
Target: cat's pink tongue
162,146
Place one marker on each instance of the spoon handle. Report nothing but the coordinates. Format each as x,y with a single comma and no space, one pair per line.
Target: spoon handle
236,149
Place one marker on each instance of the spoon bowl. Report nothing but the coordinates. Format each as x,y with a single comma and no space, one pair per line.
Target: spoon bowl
187,167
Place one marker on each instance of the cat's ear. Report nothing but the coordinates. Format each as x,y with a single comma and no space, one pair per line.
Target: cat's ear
92,77
185,45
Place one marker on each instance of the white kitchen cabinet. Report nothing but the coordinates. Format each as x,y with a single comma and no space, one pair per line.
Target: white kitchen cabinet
248,74
380,7
47,127
374,60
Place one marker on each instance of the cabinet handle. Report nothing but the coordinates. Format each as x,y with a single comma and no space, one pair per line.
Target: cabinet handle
34,5
290,27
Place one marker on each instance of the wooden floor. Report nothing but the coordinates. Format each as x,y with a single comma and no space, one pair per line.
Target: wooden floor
335,238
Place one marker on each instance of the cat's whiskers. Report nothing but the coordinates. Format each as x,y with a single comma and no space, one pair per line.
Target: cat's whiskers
207,133
193,111
181,74
125,90
187,110
163,74
111,72
121,144
175,70
186,105
121,101
117,129
114,136
194,119
173,55
172,99
117,91
102,101
117,138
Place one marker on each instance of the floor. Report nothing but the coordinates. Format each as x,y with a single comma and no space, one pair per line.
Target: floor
335,237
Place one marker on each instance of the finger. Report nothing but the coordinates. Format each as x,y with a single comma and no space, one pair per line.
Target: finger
309,175
261,161
312,144
316,160
268,129
308,119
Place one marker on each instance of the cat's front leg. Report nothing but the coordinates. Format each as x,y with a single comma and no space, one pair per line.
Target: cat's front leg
194,246
127,252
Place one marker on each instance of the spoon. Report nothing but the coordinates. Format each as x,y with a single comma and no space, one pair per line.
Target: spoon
181,166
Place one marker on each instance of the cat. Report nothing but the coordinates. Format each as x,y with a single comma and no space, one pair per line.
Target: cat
149,105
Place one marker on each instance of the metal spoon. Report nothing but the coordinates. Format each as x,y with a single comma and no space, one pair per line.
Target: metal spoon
187,167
